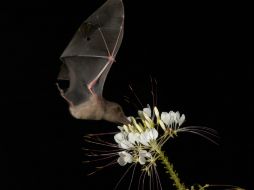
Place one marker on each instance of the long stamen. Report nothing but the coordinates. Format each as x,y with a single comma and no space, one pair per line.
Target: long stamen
158,179
102,167
123,176
200,133
100,159
136,96
132,176
140,178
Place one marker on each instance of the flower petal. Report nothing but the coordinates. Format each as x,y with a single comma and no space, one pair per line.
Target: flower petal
124,158
121,161
143,139
133,137
154,133
142,152
125,144
142,156
141,160
147,135
148,155
119,137
177,116
181,120
128,157
147,111
165,117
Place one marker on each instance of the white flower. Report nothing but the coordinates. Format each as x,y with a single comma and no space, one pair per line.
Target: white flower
121,139
125,144
140,138
124,158
153,134
133,142
143,154
134,137
141,141
171,118
181,120
165,117
147,136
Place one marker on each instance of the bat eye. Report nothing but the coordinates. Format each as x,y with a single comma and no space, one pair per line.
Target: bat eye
88,38
118,109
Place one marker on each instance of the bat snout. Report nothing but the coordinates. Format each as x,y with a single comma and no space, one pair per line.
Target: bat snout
124,120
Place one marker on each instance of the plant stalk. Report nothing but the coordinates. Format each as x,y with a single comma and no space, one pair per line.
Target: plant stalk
170,170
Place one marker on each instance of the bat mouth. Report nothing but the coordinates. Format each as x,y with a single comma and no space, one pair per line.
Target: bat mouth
124,120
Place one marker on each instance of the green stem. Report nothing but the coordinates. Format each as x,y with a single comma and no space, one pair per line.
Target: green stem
170,170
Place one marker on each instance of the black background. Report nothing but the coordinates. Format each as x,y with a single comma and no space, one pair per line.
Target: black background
199,53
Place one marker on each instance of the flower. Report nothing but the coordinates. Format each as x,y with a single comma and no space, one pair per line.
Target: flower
135,145
143,154
124,158
148,136
172,118
121,139
141,141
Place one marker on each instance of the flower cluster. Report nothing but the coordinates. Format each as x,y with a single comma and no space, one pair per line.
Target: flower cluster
144,136
141,142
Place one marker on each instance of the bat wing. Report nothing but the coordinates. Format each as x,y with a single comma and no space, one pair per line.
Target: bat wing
88,57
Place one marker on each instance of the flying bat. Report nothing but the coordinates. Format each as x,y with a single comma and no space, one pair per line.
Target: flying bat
87,61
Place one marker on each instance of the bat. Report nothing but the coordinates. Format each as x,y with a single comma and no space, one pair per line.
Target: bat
86,63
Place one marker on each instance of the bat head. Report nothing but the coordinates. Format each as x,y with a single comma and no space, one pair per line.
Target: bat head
114,113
